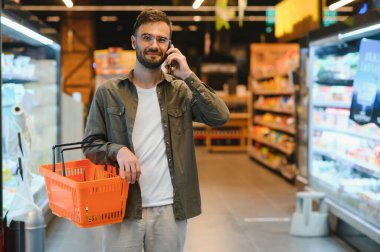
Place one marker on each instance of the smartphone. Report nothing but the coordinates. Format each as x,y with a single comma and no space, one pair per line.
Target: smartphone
173,64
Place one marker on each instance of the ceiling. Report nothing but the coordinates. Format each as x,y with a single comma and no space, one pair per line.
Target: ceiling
122,14
108,33
190,39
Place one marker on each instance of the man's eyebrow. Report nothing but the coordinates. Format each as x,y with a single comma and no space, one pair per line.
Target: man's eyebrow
158,36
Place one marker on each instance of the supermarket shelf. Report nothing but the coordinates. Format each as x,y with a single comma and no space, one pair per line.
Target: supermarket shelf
261,160
274,145
199,137
335,82
17,80
324,152
235,98
111,71
368,168
277,127
347,132
288,175
240,116
264,78
277,110
226,148
332,104
224,136
273,92
364,166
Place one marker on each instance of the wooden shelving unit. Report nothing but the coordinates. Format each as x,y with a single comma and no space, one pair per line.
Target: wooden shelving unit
199,133
233,136
272,133
274,109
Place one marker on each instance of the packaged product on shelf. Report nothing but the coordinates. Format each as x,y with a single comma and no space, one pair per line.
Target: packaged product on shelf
337,69
45,71
7,65
17,67
23,68
241,90
341,118
329,117
114,57
371,199
101,59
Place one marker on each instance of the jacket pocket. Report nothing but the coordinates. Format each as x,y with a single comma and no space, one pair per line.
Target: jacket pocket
176,119
116,118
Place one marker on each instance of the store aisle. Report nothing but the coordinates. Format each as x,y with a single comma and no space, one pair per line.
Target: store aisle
245,209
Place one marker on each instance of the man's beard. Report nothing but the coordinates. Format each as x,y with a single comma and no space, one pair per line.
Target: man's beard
149,63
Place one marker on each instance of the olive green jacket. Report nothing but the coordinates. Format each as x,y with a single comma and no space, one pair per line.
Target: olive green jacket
112,116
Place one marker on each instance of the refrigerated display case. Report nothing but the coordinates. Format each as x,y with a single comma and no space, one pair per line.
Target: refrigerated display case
30,107
344,156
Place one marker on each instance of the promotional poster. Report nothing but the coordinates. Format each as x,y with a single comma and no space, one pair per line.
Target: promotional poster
365,106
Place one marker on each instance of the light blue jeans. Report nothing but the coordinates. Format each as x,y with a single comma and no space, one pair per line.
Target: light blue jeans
157,231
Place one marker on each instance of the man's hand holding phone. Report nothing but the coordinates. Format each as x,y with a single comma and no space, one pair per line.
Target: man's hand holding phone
176,63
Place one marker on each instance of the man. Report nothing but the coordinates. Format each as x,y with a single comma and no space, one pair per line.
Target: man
144,123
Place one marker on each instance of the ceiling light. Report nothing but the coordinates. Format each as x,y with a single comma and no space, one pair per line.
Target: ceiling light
197,4
177,28
197,18
339,4
359,31
53,19
193,28
26,31
108,18
68,3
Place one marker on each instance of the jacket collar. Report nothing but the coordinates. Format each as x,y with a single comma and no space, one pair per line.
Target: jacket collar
169,78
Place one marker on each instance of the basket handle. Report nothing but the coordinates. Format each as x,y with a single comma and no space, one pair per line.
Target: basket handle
60,145
74,148
70,144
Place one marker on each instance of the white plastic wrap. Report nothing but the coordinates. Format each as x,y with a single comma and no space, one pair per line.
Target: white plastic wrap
18,141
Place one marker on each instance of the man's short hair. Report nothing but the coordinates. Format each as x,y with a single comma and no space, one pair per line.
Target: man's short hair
151,16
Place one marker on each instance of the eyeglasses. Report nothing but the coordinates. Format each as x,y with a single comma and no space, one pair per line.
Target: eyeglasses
148,38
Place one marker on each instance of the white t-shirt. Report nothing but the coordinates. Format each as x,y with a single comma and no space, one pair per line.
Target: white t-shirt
148,142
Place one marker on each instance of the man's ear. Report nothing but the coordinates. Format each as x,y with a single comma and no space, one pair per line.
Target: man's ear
133,42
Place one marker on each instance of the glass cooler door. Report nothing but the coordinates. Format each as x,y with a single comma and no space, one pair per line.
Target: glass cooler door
30,69
344,156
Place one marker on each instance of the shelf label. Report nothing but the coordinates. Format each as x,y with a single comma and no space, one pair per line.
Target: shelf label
365,106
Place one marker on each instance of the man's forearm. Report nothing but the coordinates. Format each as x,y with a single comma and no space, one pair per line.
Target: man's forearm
207,106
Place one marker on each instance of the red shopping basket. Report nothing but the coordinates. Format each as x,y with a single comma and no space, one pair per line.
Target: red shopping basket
89,195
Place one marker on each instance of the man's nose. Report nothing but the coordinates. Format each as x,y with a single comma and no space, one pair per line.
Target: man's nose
154,42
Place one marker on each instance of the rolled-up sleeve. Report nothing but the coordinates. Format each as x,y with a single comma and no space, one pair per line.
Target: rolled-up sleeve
206,106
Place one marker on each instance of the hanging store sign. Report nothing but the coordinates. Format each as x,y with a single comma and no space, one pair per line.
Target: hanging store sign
294,18
365,106
329,18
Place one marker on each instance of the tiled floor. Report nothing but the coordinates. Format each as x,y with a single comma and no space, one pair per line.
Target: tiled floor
246,208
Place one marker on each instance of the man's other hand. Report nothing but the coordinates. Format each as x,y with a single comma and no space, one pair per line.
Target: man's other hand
129,165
